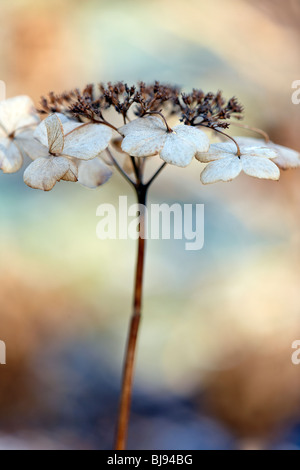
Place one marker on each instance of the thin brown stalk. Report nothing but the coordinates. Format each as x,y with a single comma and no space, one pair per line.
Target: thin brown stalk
253,129
130,354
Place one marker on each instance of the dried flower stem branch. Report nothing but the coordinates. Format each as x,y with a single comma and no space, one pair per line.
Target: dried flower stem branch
119,168
159,113
156,174
141,190
130,355
136,169
239,153
254,129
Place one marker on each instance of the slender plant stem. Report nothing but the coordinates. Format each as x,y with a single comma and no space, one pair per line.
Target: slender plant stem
239,153
156,174
254,129
136,170
119,168
130,354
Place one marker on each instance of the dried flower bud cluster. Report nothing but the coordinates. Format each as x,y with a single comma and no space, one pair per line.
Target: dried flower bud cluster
192,109
81,141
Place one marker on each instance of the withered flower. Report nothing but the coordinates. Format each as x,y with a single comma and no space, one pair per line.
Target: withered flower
76,142
149,136
286,159
224,164
66,142
18,117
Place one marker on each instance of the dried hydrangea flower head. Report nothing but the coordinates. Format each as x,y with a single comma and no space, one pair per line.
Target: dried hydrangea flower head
224,164
87,133
18,118
66,142
146,112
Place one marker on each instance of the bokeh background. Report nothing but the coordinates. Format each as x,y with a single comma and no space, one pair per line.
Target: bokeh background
214,368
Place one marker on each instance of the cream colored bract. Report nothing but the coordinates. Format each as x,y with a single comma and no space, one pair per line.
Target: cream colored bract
67,144
286,159
18,118
148,136
93,173
224,164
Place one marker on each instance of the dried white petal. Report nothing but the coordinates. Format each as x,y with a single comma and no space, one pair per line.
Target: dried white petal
217,151
55,134
182,145
30,146
145,137
11,159
221,170
93,173
286,159
145,124
44,173
177,151
194,136
17,113
41,134
82,141
260,167
87,141
72,174
228,149
261,152
148,147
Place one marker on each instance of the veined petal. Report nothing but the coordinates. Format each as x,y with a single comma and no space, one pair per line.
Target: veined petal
44,173
178,151
286,159
262,152
259,167
217,152
224,147
87,141
194,136
30,146
41,134
72,174
221,170
93,173
140,145
17,113
70,126
144,137
11,159
55,134
145,124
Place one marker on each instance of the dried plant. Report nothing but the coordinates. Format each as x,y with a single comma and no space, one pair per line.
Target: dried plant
80,141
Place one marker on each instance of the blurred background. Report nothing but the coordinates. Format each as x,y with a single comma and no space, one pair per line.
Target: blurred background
214,368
